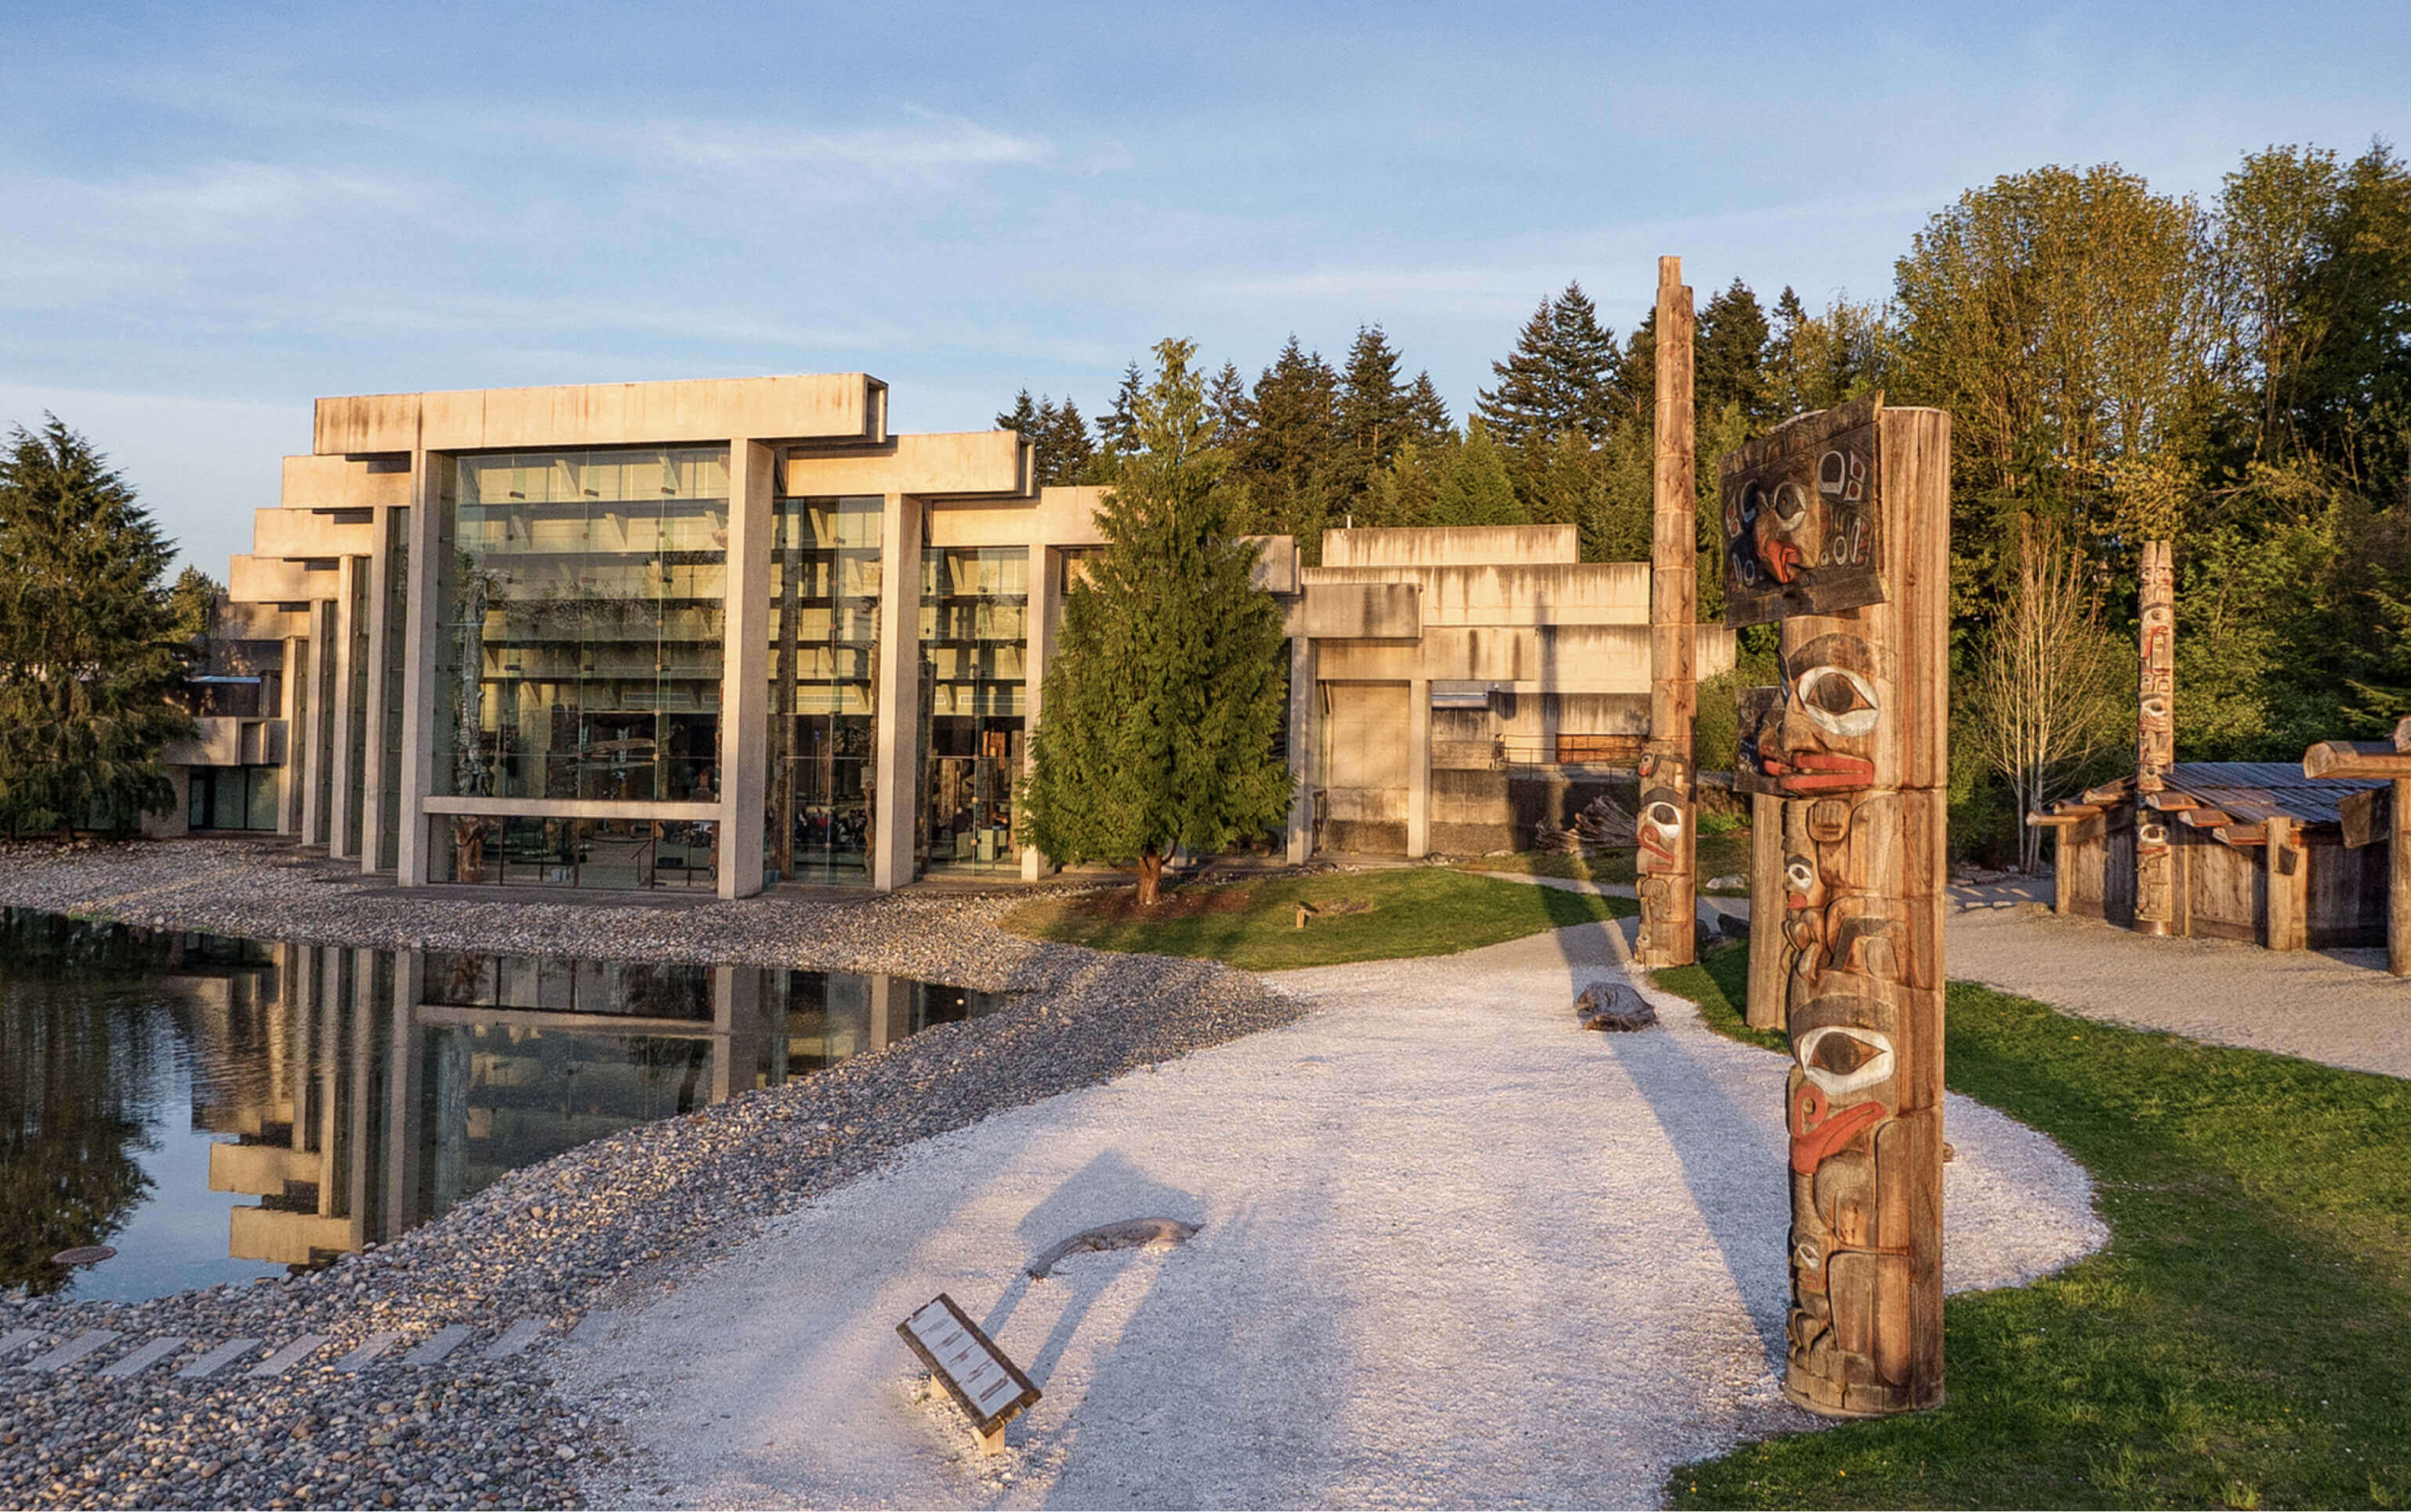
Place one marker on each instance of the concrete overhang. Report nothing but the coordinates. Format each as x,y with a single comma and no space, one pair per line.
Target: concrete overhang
830,407
1362,610
962,464
344,483
260,580
302,533
1452,546
1585,593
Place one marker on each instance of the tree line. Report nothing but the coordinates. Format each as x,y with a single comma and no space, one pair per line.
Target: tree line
2120,365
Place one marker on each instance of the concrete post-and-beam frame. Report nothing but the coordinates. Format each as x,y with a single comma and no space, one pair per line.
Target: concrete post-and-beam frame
1418,769
293,707
374,775
423,625
343,759
311,742
1301,747
898,690
745,675
1045,615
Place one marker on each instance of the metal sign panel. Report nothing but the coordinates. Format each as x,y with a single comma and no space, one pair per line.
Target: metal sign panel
1803,518
988,1386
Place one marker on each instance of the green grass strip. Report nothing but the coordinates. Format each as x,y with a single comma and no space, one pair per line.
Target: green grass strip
1415,911
2244,1340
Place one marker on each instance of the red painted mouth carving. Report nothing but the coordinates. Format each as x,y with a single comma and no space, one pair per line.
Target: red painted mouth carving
1816,1136
1781,560
1650,848
1820,772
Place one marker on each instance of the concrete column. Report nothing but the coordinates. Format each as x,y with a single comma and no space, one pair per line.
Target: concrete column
423,703
380,598
402,1118
1046,612
745,675
311,741
1418,769
899,731
1302,705
735,1014
343,759
293,707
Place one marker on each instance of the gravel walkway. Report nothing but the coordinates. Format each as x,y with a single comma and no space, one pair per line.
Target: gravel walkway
606,1226
1454,1252
2338,1006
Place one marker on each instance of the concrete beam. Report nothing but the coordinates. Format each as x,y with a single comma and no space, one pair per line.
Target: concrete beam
344,482
309,533
1451,546
260,580
995,464
848,406
745,678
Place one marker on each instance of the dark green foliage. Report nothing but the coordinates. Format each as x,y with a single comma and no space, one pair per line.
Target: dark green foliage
193,602
91,644
1560,377
1061,449
1370,421
1165,703
2240,1343
1729,355
1289,460
1428,413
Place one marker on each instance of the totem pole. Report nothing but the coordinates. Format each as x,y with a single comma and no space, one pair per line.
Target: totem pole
1838,525
2155,745
1666,854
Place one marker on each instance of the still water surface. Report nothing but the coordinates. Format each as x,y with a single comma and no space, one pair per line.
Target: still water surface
221,1108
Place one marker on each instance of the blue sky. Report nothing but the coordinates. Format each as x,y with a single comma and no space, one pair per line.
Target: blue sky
213,213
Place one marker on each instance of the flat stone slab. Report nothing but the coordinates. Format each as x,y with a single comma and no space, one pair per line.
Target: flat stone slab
11,1342
440,1343
218,1360
517,1338
365,1356
144,1357
290,1356
74,1349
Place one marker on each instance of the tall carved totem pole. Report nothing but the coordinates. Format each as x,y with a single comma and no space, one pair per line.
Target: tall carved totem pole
1667,854
1838,525
2155,742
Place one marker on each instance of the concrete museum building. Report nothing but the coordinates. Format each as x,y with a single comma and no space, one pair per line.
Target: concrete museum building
727,634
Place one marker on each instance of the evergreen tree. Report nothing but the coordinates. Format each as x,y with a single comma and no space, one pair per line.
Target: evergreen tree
1065,449
193,602
1531,396
1560,377
91,647
1371,414
1729,355
1023,416
1476,488
1289,460
1427,417
1234,412
1165,703
1410,488
1117,434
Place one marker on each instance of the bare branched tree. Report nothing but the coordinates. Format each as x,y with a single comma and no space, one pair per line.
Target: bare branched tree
2052,687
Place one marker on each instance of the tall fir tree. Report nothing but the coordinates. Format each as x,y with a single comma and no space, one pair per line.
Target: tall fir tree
92,647
1065,452
1370,418
1427,417
1117,431
1476,490
1165,703
1530,396
1232,411
1728,360
1289,460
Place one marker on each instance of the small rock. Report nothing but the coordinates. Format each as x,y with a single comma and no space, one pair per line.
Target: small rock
1613,1006
1734,881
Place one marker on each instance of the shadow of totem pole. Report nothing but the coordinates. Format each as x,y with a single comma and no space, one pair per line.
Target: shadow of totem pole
1666,854
1839,526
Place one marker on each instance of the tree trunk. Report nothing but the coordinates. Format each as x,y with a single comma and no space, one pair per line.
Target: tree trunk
1150,871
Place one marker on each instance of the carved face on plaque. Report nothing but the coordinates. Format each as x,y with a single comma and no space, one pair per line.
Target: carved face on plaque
1658,830
1801,518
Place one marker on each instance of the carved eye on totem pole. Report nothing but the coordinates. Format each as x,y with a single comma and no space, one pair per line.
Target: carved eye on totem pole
1658,831
2151,833
1844,1043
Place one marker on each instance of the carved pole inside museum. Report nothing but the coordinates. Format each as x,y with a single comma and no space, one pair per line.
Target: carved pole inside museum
1838,525
1665,858
2156,744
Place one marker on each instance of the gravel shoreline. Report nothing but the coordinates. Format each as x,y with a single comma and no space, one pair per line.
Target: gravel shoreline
606,1225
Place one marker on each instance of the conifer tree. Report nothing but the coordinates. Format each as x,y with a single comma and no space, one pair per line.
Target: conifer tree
1729,362
1065,449
1559,377
1371,418
1165,703
1290,459
1427,417
91,644
1023,416
1476,488
1531,396
1234,412
1117,434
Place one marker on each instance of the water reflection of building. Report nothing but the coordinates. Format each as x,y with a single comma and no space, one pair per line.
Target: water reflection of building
369,1091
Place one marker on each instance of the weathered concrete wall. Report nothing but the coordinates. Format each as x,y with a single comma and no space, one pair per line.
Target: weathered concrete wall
800,406
1451,545
991,464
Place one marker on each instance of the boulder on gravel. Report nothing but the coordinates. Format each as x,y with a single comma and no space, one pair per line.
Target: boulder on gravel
1613,1006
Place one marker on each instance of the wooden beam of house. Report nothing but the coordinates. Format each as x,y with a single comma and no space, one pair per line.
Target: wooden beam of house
2358,758
2368,816
2199,816
2242,836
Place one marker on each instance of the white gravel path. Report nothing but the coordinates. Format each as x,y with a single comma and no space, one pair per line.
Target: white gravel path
2339,1006
1454,1252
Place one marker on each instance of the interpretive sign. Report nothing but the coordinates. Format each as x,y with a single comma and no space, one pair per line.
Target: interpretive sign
1804,519
988,1386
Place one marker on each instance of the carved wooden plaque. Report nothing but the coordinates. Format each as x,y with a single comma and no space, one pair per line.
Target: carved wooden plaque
988,1385
1803,518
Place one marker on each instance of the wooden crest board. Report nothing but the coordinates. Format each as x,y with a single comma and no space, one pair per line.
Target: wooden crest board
1803,518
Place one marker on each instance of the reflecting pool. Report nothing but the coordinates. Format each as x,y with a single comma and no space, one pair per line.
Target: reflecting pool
219,1109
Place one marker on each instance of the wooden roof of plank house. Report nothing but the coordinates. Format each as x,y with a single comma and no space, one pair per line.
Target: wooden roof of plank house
2231,799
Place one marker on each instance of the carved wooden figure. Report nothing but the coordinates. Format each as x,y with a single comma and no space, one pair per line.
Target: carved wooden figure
1666,858
2156,744
1854,743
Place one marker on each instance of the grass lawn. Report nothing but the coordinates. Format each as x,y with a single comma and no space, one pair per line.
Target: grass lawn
2245,1339
1414,911
1724,855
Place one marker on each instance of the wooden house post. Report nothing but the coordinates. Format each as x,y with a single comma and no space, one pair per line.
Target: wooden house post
1839,526
1666,860
2390,760
2156,744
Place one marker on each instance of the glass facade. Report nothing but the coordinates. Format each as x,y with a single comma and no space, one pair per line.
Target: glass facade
974,632
232,798
581,657
582,642
821,740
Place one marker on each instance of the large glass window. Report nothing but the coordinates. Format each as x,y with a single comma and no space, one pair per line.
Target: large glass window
975,632
582,641
824,584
